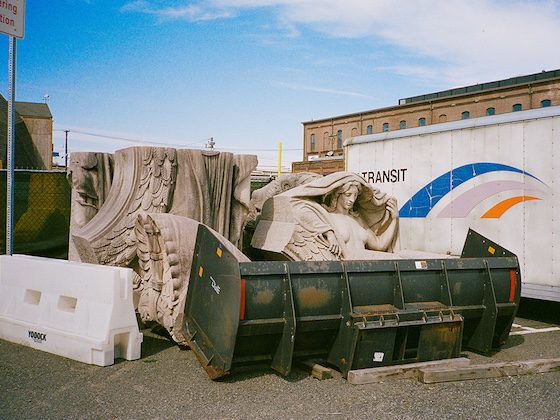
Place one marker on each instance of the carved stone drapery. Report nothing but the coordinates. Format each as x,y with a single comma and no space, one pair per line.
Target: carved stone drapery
214,188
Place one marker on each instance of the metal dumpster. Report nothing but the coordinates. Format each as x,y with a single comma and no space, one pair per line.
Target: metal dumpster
355,314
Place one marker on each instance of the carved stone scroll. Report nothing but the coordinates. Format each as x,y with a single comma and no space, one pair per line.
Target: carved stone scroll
90,175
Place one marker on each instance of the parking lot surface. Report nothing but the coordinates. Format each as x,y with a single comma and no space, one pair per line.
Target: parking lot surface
168,382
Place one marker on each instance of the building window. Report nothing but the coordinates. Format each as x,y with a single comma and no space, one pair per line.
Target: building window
465,115
442,118
545,103
385,127
421,122
402,124
327,144
370,129
354,132
517,107
491,111
312,142
339,139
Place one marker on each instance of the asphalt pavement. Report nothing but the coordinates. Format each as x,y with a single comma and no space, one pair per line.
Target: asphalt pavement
168,382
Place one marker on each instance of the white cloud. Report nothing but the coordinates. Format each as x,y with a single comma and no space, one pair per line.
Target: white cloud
189,12
298,87
466,41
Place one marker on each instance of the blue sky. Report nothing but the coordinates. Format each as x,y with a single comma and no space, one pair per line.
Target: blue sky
248,72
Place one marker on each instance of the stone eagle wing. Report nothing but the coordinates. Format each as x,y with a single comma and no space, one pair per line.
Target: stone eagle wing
307,246
153,194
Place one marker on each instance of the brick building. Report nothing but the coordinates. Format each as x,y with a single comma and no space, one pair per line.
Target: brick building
323,139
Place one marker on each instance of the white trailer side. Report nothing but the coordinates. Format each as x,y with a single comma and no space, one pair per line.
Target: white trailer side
498,175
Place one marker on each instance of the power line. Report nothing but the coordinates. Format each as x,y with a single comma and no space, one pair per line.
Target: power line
200,143
260,150
105,136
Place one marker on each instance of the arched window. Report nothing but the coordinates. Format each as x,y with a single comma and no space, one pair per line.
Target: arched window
385,127
465,115
402,124
339,139
443,118
354,132
421,122
491,111
517,107
312,142
545,103
370,129
327,145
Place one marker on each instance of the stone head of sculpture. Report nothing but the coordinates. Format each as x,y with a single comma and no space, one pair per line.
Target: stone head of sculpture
343,198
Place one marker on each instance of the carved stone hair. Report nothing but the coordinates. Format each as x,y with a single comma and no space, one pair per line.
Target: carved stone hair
330,200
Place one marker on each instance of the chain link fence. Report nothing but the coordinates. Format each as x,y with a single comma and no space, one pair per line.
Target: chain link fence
41,220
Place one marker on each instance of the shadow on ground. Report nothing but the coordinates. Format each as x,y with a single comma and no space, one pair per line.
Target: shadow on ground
539,310
155,341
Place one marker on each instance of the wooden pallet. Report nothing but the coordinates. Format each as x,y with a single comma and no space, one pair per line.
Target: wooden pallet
489,370
315,369
406,371
447,370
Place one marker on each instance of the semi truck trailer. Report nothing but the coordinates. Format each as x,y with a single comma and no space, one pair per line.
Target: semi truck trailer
498,175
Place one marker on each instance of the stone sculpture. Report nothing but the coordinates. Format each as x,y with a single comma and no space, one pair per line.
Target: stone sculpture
141,224
165,250
258,198
278,186
338,216
91,175
158,197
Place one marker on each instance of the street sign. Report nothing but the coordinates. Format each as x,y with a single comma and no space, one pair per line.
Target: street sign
12,18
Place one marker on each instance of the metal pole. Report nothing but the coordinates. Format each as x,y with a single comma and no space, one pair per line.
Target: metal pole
66,149
279,158
10,144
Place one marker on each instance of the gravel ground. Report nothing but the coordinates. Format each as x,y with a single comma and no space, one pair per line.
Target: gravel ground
168,382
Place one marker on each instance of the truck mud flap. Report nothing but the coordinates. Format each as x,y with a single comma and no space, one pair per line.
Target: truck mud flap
355,314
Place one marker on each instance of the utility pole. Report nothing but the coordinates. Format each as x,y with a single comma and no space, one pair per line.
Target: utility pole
66,149
279,158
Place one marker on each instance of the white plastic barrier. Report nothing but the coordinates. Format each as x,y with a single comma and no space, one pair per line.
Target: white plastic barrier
80,311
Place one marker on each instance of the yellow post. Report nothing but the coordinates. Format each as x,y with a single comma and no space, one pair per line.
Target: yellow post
279,158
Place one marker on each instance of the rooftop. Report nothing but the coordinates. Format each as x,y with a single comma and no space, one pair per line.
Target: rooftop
31,109
466,90
481,87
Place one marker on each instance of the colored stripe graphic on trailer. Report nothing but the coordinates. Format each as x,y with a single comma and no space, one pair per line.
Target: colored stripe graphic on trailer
427,197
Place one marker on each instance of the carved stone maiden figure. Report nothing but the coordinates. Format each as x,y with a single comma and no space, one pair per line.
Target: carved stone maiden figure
338,216
350,235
